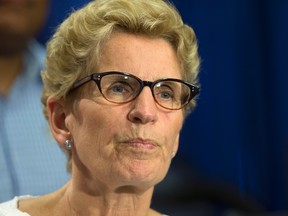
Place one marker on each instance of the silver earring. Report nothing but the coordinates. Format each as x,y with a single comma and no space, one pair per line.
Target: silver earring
68,144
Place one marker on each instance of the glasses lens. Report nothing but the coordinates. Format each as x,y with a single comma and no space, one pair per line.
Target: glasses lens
171,94
119,88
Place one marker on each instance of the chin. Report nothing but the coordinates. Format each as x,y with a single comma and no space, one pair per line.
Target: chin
143,173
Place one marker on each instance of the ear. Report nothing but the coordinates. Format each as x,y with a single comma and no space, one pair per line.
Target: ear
57,116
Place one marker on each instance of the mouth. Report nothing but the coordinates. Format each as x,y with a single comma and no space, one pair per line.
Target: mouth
141,143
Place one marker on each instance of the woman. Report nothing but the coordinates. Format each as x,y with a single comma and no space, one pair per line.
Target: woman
121,77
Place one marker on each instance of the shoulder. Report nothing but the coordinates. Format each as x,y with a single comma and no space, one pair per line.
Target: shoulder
10,208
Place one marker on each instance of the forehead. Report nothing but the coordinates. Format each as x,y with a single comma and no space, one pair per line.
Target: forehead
146,57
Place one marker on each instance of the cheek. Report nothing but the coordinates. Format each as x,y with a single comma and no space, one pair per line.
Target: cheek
175,130
94,127
92,136
173,127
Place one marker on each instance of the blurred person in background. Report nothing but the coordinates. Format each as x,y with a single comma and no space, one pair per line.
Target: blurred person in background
29,161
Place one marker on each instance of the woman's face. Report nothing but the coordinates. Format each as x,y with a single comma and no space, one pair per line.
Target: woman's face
133,143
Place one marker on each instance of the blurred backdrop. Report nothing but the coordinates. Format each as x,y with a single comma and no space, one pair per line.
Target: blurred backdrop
234,146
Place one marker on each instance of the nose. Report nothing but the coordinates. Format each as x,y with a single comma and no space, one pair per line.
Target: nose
143,108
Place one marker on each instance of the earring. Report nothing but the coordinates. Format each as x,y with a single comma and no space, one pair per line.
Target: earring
68,144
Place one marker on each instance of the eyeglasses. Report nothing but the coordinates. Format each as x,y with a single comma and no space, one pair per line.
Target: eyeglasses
120,88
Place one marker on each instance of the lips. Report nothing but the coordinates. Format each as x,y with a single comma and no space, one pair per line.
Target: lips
141,143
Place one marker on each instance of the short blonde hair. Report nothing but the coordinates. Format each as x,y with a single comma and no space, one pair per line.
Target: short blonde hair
78,40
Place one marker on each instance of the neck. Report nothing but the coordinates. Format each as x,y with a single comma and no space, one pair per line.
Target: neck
121,201
10,67
74,201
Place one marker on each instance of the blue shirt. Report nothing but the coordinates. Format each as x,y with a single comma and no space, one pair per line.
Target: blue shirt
30,160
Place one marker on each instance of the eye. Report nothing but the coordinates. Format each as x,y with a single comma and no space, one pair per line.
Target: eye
165,94
120,88
163,91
